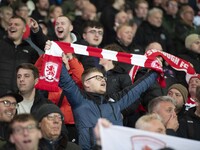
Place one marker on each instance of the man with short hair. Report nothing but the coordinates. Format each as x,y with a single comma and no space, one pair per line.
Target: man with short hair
93,34
8,105
14,51
50,120
25,133
27,77
93,103
164,106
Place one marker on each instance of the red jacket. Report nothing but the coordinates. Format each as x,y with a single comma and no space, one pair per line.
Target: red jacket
76,70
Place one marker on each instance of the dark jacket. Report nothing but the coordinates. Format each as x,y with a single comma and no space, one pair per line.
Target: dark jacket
117,80
88,107
189,125
4,131
182,31
60,144
148,33
11,56
194,59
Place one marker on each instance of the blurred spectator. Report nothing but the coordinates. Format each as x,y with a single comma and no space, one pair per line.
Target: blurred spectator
108,21
141,11
192,85
23,11
88,14
184,27
125,35
170,18
25,133
41,10
180,94
54,13
153,31
151,122
121,18
8,107
14,51
189,125
192,55
6,13
117,77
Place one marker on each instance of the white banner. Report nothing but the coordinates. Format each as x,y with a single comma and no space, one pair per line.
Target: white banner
123,138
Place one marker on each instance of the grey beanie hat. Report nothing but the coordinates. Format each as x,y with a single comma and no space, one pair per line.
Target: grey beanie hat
181,89
46,109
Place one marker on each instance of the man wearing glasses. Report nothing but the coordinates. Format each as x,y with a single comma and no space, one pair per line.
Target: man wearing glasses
93,103
25,133
51,120
8,105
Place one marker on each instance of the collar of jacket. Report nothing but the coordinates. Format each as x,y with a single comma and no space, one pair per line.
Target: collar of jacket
97,98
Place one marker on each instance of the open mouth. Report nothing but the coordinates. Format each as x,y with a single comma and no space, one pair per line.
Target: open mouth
27,141
103,84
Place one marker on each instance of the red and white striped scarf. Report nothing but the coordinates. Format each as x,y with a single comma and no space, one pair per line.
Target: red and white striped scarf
52,63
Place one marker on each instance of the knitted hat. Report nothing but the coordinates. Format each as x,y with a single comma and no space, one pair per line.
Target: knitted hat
46,109
191,39
181,89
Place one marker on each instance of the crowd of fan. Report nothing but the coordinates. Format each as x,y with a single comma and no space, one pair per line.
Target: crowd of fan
90,87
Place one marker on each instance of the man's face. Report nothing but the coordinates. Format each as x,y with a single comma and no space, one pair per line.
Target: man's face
23,12
57,12
188,14
193,83
63,28
142,10
7,112
43,4
25,80
93,36
125,35
166,110
51,126
95,83
172,8
25,135
16,29
6,15
177,96
155,19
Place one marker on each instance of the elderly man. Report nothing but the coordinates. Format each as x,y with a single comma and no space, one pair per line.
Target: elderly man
8,105
152,30
50,120
165,107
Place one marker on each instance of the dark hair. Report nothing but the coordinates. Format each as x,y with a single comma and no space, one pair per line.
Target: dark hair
22,118
92,24
29,66
19,17
88,71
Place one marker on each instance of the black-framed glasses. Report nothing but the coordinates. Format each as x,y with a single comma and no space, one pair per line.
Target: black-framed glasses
94,32
20,129
52,117
97,77
7,103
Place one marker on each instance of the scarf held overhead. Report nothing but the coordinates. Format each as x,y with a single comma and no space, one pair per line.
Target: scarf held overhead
52,61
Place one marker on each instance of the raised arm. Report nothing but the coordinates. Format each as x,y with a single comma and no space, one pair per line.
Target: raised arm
130,94
70,89
37,36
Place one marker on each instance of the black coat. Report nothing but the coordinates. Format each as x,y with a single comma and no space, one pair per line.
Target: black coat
10,57
189,125
147,34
